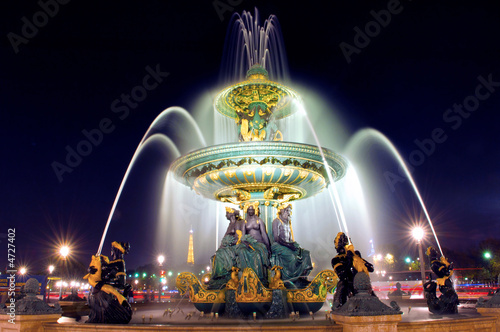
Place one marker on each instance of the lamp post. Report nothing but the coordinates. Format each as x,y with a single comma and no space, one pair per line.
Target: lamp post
418,234
64,252
161,259
51,269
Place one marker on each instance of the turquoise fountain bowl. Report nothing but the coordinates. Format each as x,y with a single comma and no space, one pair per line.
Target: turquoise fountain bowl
266,170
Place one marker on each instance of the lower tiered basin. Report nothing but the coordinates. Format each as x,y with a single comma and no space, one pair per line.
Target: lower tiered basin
272,169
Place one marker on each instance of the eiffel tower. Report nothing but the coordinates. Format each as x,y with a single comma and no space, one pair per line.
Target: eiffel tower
190,259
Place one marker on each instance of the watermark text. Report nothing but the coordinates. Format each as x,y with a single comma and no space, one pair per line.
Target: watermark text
30,28
454,118
120,106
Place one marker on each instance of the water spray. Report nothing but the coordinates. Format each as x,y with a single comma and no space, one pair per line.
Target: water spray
151,136
388,144
337,206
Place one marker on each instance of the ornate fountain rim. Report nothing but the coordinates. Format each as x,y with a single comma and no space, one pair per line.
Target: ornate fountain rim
294,169
237,97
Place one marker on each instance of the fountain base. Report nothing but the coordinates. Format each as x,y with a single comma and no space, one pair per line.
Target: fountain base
252,297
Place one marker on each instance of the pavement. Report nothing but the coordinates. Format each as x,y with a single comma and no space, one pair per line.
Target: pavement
183,313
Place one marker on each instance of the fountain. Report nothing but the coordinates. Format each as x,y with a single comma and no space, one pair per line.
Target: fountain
261,170
259,165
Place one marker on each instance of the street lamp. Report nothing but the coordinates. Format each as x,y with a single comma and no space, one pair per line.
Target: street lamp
23,270
51,269
161,259
64,251
418,234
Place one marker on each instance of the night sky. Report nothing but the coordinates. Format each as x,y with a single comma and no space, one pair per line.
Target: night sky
410,81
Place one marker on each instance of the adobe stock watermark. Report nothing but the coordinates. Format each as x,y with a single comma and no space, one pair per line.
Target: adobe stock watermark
121,107
30,28
223,6
372,29
453,117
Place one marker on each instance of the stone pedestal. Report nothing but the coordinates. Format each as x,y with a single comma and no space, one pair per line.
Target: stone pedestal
383,323
29,313
491,312
26,323
364,312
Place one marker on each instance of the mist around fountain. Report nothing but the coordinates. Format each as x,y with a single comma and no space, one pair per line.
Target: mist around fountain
352,205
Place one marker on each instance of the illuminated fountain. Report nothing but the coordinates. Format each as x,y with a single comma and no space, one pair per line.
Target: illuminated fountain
260,170
260,158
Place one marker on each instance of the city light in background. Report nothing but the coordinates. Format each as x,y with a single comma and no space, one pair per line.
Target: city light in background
64,251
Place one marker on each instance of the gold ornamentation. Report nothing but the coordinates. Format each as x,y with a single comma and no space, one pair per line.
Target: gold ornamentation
233,282
229,210
285,190
118,246
251,290
255,205
289,197
276,282
265,167
239,233
241,195
95,278
232,200
316,291
229,173
267,171
269,193
278,136
197,292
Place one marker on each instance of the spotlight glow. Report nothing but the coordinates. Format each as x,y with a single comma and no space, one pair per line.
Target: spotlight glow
418,233
64,251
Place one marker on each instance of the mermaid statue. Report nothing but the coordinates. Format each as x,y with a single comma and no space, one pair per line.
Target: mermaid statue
225,257
295,261
107,300
448,301
113,271
346,265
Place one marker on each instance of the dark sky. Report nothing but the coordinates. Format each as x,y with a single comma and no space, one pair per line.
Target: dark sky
64,78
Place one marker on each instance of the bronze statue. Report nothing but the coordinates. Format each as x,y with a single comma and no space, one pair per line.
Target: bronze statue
448,301
253,249
114,272
398,293
295,261
225,257
235,223
254,226
346,265
107,305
